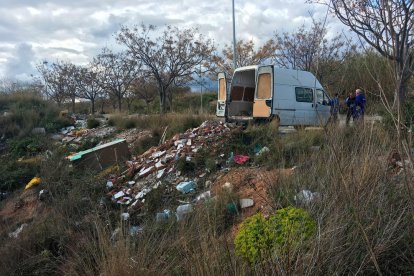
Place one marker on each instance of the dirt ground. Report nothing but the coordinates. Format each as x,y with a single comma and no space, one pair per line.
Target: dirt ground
251,183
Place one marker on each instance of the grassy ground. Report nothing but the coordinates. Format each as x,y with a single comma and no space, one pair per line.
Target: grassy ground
363,214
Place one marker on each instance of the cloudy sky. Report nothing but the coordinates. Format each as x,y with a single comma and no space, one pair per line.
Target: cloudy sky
32,31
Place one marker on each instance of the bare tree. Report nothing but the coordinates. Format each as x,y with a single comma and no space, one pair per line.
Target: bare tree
118,72
89,83
144,88
170,57
59,79
246,54
387,26
308,49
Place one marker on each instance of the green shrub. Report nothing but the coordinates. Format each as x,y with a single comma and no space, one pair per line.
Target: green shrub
259,237
253,240
92,122
28,146
291,226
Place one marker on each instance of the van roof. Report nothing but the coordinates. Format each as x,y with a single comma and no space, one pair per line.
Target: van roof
288,76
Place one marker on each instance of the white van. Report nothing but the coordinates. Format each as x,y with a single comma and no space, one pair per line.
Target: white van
293,97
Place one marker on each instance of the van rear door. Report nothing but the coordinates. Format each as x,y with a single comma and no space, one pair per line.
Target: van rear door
222,95
262,106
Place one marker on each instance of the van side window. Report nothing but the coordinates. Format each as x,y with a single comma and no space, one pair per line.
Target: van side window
304,95
321,97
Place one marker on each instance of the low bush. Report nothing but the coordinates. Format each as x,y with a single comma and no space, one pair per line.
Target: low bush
92,122
260,238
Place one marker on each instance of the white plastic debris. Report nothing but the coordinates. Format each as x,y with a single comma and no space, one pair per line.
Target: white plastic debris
208,184
159,164
163,216
263,150
305,197
142,193
109,184
135,230
246,203
182,210
160,173
119,194
203,196
228,186
146,171
17,232
125,216
158,154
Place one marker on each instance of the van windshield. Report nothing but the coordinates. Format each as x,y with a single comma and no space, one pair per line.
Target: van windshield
321,97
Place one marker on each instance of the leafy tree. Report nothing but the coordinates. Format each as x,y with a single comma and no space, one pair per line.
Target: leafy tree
170,58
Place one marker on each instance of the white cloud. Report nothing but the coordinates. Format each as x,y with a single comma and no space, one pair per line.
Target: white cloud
76,30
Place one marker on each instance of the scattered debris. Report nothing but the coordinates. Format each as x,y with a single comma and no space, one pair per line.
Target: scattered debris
34,182
17,232
103,156
43,194
135,230
305,197
246,203
203,196
163,216
182,210
241,159
125,216
262,151
186,187
39,130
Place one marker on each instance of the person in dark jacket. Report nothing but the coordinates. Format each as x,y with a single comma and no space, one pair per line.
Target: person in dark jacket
360,102
350,103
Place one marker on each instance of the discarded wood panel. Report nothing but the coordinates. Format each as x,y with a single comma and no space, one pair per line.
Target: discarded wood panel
102,156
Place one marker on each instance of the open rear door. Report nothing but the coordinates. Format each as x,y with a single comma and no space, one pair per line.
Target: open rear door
262,106
222,95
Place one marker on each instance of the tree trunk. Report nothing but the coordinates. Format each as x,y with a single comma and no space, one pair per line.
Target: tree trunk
119,103
102,105
73,104
93,106
162,98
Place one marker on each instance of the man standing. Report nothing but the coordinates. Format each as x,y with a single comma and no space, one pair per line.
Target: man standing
360,102
350,103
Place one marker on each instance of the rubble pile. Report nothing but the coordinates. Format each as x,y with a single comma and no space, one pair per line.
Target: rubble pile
157,167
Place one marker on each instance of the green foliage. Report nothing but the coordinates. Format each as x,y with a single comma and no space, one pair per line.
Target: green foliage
253,240
14,175
26,111
88,144
259,237
92,122
28,146
290,227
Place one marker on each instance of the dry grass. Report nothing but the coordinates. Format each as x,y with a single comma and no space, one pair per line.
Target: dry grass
364,217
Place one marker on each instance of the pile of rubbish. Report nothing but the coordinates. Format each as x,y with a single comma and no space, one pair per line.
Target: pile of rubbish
157,168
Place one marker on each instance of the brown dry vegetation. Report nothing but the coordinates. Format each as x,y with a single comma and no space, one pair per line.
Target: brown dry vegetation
364,217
